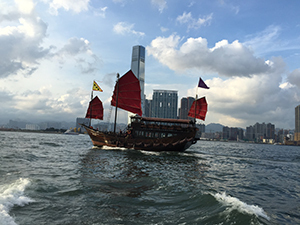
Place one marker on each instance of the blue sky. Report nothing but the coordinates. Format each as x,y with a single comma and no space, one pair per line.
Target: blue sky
246,51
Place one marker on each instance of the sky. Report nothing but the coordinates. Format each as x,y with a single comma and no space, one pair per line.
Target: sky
247,52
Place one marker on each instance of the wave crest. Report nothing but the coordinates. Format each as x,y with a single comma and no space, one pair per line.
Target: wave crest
236,204
10,195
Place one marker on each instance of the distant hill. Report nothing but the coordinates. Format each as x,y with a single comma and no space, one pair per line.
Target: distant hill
213,127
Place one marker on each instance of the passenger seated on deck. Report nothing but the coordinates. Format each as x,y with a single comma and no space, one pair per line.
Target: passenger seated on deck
128,133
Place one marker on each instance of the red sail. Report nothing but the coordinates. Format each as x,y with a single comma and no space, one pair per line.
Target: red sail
129,96
201,109
95,110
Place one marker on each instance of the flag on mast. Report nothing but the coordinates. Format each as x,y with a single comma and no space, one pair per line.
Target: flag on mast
96,87
202,84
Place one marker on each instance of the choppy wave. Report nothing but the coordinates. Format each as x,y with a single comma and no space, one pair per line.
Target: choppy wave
52,144
236,204
11,195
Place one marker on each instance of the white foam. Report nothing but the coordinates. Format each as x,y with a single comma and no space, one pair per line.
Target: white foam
10,195
236,204
113,148
150,152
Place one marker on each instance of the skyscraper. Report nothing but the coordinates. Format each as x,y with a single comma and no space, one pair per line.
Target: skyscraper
185,106
164,104
297,124
138,68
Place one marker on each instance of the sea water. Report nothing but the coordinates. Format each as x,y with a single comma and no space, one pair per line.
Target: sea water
62,179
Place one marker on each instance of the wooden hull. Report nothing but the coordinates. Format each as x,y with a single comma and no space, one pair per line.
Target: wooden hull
178,143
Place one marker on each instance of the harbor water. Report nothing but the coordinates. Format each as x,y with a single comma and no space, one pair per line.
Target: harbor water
61,179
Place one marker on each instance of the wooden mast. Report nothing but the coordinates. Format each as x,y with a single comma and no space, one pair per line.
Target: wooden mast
115,124
90,123
195,107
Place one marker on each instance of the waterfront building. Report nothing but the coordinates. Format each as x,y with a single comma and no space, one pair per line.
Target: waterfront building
201,127
249,133
16,124
233,133
148,107
258,132
297,124
164,104
32,127
185,105
138,68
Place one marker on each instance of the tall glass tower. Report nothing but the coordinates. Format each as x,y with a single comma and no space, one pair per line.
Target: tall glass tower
164,104
138,68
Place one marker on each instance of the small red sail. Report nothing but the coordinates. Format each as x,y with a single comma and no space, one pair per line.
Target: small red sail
129,95
95,110
201,109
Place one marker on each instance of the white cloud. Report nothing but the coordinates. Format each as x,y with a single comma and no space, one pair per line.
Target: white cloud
294,78
25,6
164,29
265,41
224,58
78,49
68,5
21,38
100,12
251,89
118,1
22,44
187,18
161,4
125,28
43,103
243,101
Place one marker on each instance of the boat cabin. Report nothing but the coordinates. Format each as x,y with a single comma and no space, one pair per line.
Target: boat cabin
149,127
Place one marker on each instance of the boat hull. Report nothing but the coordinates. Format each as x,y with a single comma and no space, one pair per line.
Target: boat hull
178,143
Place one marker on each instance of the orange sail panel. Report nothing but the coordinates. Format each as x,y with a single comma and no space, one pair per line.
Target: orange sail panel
198,109
95,110
129,94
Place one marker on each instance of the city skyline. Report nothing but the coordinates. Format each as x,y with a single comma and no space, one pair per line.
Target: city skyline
246,52
62,124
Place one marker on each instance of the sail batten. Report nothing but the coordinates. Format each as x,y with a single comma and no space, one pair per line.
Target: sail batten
95,110
198,109
129,94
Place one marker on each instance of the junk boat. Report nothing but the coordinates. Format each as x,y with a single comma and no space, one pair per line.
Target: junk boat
144,133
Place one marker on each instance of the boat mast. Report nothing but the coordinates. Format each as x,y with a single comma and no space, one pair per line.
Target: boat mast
115,124
195,108
90,123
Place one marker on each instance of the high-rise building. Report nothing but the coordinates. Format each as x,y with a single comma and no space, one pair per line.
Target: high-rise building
258,132
164,104
183,110
232,133
148,108
297,124
185,105
138,68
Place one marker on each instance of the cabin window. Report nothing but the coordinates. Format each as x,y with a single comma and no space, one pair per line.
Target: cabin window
163,135
135,120
170,134
156,134
148,134
141,133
